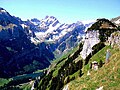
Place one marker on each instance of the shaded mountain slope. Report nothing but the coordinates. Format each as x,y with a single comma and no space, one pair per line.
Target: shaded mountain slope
18,54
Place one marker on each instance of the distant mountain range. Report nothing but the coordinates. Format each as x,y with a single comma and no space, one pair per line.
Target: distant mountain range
60,37
30,45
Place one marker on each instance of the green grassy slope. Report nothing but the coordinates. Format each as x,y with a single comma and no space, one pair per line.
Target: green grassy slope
3,81
107,76
65,70
62,71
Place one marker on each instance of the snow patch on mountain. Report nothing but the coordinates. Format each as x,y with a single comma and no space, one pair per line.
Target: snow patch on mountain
45,23
35,21
3,11
53,27
54,30
63,37
23,26
118,21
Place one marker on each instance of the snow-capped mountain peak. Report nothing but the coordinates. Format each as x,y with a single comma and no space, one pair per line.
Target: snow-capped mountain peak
3,13
35,21
116,20
52,29
59,35
51,17
79,22
49,20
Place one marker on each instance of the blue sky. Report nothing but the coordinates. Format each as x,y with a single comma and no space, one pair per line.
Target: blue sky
66,11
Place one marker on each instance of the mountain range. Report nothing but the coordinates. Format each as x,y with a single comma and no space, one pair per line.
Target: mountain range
70,71
30,45
27,46
60,37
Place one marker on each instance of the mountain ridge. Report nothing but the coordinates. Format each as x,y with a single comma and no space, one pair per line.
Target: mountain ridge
72,66
58,35
20,39
26,52
19,54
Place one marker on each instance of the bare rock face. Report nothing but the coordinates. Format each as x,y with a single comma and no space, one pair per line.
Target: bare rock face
98,31
114,39
91,39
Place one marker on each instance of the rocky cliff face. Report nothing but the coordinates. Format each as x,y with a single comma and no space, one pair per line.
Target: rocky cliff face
18,53
99,31
91,39
114,39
